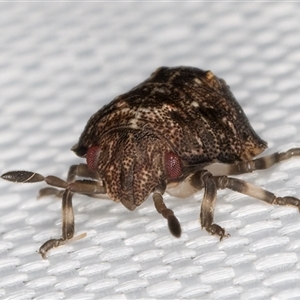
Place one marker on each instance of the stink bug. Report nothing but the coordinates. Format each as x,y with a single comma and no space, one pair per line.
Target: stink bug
179,131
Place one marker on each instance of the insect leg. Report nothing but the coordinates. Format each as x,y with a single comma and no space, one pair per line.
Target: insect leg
173,223
67,225
268,161
200,180
261,163
251,190
81,170
87,187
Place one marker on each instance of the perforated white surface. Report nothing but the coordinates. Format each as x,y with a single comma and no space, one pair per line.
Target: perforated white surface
59,63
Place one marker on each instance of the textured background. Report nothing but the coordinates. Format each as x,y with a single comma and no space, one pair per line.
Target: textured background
59,63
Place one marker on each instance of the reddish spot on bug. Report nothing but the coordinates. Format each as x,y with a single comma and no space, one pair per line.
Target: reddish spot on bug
92,157
173,165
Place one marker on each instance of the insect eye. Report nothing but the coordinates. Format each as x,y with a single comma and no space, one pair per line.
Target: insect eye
92,157
173,165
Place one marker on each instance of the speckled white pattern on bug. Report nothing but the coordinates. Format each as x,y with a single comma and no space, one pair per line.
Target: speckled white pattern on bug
59,64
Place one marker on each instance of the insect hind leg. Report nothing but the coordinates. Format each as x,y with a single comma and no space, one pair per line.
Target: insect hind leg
269,160
260,163
251,190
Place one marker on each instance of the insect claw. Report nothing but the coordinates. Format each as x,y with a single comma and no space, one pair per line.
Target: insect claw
54,243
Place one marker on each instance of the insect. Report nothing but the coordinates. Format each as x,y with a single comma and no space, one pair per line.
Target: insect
179,131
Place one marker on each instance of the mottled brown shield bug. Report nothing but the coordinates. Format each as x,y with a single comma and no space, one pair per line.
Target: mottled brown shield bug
179,131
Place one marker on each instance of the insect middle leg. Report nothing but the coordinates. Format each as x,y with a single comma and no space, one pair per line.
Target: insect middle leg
204,179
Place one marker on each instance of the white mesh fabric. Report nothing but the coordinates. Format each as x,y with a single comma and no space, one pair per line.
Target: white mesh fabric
59,63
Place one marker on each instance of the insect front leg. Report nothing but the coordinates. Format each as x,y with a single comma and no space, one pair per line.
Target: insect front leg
67,225
251,190
205,180
81,170
87,187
